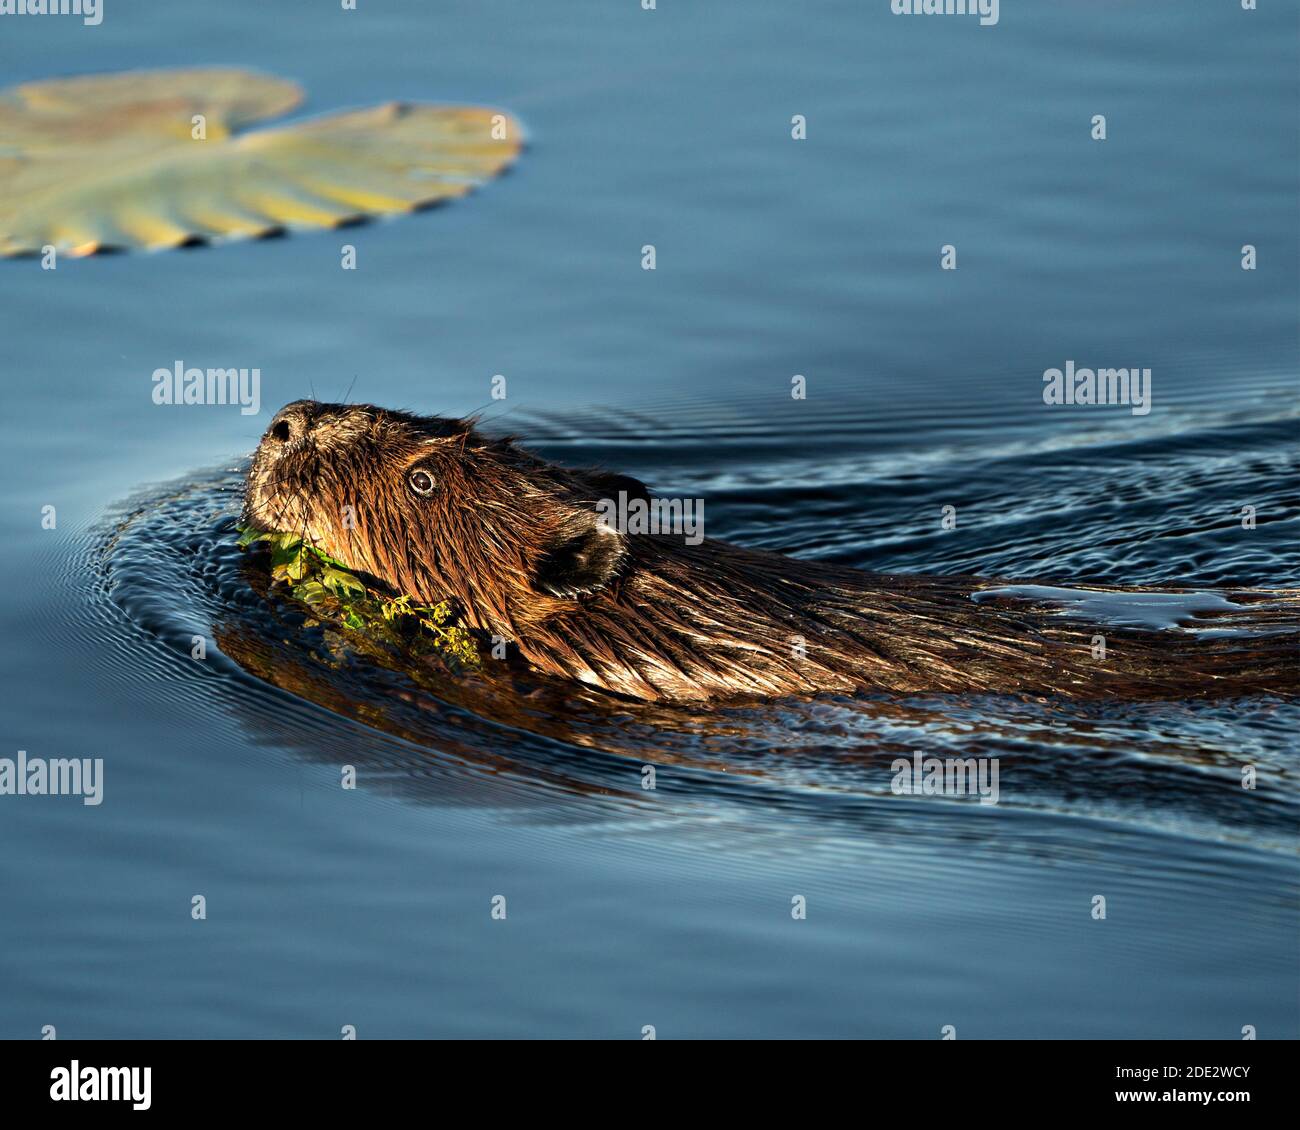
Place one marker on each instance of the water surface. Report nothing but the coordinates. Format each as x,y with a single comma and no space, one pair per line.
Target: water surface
672,908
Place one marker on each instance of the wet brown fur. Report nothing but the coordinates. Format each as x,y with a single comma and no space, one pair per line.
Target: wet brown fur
516,542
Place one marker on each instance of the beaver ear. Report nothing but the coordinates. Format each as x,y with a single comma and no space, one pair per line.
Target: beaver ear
581,563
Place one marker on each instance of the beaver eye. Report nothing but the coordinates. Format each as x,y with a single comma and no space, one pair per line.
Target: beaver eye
421,481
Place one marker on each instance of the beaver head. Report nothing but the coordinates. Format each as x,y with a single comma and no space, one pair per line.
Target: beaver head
437,510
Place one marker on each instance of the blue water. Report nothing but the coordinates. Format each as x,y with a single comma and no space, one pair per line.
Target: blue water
672,908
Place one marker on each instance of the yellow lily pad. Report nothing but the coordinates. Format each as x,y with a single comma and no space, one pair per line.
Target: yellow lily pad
111,162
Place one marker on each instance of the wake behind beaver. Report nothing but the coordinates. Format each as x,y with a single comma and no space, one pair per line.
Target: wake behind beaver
435,509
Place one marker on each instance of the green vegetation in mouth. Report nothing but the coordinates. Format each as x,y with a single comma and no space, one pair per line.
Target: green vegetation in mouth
335,595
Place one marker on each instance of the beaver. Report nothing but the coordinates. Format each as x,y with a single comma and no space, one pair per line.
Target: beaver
434,508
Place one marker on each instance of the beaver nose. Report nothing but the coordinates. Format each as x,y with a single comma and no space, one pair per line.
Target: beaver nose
291,423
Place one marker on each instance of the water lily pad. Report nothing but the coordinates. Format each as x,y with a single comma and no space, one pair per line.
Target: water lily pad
111,161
